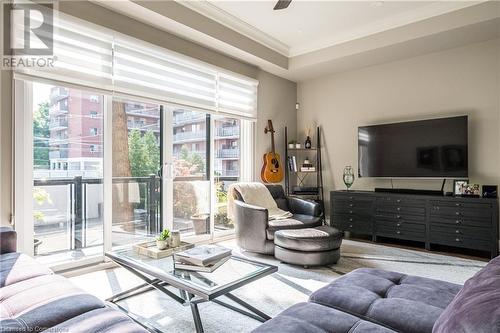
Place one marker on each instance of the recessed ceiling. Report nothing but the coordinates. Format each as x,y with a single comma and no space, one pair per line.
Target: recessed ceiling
307,26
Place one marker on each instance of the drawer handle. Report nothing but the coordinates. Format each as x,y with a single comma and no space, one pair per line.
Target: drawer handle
351,205
436,207
350,212
457,239
458,204
398,201
350,225
398,209
398,232
398,216
350,198
457,213
350,220
458,222
457,231
399,224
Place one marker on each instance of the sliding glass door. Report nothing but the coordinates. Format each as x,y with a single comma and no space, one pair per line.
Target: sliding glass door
137,160
108,171
67,191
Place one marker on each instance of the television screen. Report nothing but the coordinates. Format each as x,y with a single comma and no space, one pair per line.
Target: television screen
435,148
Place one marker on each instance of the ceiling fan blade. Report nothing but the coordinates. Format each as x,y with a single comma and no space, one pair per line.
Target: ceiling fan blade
282,4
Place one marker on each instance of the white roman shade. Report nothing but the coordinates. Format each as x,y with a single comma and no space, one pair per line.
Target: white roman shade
237,96
83,55
148,72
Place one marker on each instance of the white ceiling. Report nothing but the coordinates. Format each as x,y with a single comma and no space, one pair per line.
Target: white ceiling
307,26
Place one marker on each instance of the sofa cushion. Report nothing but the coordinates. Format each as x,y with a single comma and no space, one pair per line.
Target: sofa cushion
476,308
405,303
297,221
103,320
315,318
36,293
16,267
322,238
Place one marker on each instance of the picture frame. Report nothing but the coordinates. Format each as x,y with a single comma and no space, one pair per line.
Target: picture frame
460,187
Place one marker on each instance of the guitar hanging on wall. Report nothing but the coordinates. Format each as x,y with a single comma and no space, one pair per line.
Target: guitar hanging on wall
272,171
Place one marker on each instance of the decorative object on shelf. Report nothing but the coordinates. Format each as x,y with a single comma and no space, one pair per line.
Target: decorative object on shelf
308,144
307,166
272,170
297,146
291,144
305,182
348,176
459,186
490,191
163,239
175,238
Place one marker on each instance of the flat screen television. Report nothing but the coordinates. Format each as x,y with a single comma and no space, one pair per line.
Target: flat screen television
435,148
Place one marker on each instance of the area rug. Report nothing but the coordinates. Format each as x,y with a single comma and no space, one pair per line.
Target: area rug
274,293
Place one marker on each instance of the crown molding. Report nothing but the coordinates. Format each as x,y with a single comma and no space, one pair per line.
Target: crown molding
207,9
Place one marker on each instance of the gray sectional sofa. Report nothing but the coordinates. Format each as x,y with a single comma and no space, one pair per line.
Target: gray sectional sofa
34,299
378,301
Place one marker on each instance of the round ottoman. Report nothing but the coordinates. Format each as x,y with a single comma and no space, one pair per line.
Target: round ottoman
308,247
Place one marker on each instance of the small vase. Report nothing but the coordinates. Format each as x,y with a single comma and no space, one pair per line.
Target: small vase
348,176
161,244
175,238
297,145
308,144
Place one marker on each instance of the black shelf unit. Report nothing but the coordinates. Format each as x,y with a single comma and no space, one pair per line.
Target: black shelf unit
299,177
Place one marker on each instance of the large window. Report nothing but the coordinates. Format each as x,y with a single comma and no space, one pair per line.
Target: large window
109,168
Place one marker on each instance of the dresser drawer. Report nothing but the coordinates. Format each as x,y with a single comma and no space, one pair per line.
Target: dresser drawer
401,209
353,223
401,201
461,212
461,204
400,230
400,217
464,231
459,241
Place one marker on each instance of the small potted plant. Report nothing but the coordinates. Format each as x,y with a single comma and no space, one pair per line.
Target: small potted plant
163,239
297,145
291,144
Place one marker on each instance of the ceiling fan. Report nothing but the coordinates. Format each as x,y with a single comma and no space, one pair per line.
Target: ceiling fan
282,4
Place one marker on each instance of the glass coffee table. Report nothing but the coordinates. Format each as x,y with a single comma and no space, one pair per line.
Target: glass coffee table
189,287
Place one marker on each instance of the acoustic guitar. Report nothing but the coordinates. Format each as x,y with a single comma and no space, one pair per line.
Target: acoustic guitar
272,170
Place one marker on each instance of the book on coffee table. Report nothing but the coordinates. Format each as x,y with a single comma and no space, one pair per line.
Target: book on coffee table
205,269
203,255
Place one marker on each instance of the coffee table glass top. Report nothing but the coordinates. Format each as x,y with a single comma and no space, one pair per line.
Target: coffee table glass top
233,273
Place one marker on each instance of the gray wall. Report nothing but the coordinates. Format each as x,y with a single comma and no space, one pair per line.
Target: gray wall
276,101
459,81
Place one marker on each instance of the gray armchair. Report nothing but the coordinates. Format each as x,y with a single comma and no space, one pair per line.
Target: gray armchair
254,231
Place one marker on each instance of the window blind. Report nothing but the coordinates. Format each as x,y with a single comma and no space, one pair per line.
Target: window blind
83,55
237,96
88,55
151,73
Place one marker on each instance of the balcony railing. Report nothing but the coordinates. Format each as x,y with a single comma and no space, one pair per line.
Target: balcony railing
183,118
83,209
184,136
227,173
58,124
144,127
228,153
228,131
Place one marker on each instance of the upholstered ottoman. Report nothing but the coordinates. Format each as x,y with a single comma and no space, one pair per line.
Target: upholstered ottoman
308,247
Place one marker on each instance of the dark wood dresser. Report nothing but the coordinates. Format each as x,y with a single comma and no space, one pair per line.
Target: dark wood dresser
462,222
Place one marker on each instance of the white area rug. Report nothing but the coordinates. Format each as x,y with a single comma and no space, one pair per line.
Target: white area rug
274,293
